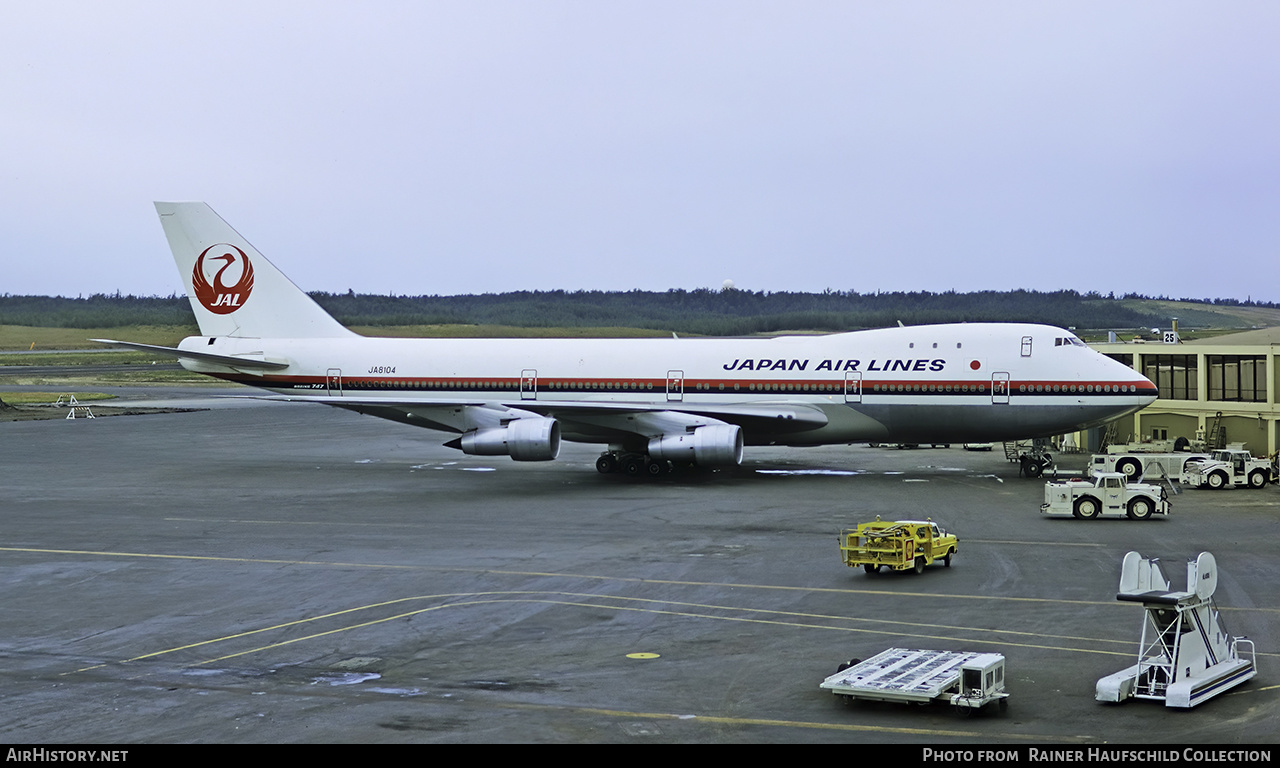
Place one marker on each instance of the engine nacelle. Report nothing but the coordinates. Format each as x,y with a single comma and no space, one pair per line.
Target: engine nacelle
522,439
715,445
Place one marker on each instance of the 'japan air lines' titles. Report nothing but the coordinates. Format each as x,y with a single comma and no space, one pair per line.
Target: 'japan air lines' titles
767,364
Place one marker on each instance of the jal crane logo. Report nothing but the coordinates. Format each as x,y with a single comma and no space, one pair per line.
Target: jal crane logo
218,297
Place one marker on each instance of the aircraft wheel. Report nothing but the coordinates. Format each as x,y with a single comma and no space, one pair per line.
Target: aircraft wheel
1086,508
656,468
606,464
633,466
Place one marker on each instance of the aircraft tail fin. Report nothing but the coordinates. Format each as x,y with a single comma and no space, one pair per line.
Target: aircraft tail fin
233,289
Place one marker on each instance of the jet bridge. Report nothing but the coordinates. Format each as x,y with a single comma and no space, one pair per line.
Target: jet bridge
1185,656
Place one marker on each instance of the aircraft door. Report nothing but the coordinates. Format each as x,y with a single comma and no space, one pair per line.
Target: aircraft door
853,386
529,384
999,388
333,381
675,386
1026,346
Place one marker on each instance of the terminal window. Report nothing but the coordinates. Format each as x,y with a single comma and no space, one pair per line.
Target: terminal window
1174,375
1238,378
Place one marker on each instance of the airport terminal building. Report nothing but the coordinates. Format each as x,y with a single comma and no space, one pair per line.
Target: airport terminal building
1223,388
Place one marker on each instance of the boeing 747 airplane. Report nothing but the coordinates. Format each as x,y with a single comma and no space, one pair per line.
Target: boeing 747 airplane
655,403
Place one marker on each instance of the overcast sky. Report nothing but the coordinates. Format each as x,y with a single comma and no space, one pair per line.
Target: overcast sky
474,147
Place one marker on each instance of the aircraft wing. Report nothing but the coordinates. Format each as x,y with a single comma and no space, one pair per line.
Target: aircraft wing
582,420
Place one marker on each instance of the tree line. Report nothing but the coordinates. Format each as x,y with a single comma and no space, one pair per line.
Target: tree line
701,311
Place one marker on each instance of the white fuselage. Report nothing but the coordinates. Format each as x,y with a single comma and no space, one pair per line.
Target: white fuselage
960,382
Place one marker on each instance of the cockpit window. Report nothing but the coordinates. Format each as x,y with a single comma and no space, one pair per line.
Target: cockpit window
1064,341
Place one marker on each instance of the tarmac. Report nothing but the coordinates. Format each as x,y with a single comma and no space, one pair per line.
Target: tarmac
283,573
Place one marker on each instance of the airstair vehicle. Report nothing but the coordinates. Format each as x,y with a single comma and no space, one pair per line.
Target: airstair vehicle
1185,656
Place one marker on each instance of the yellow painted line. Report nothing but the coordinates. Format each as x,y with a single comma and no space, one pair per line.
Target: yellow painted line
1037,545
554,574
239,521
598,577
682,614
686,614
339,523
756,721
489,599
206,558
511,597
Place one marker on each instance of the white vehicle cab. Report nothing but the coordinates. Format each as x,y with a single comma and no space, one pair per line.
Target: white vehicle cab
1228,468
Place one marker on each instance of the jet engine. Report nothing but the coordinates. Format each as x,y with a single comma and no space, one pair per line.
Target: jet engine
529,439
710,446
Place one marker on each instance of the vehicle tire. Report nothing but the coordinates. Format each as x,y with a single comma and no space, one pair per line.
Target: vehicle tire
1130,468
606,464
946,559
1258,479
1140,508
919,565
869,568
1086,508
1217,480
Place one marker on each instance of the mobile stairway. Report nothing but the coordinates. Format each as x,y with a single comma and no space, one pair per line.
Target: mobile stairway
1185,656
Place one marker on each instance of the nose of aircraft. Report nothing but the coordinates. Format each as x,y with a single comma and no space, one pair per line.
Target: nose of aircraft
1142,388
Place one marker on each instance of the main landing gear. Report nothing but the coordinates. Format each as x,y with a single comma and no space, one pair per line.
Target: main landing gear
632,465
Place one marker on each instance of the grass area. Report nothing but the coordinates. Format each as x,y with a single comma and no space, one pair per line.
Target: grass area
140,377
110,357
45,398
1219,316
24,337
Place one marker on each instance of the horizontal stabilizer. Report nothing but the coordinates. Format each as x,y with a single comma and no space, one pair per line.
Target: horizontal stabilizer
204,357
